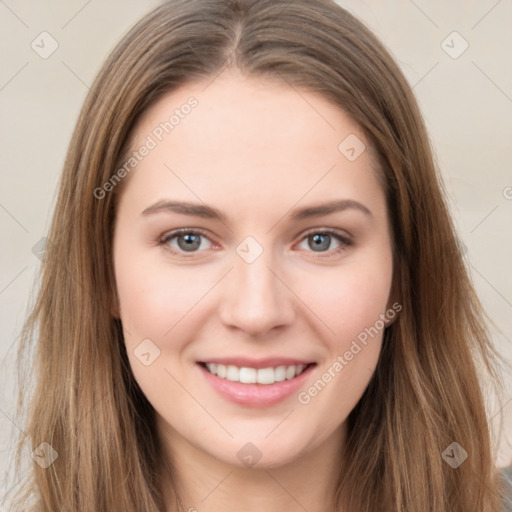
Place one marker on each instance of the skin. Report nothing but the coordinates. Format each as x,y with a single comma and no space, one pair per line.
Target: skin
256,151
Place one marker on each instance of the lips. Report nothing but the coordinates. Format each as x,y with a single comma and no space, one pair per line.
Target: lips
256,383
269,362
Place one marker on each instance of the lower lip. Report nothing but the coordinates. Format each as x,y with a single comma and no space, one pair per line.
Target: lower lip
256,395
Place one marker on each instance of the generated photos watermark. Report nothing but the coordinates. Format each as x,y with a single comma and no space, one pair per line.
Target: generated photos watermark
357,345
156,136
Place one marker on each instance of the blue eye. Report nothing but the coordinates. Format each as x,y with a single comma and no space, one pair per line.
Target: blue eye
320,242
188,240
191,241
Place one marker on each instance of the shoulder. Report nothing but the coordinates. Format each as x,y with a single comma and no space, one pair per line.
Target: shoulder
506,475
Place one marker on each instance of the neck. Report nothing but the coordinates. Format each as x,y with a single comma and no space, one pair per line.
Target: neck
206,484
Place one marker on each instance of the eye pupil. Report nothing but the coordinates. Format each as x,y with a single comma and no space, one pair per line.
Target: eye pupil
192,241
321,241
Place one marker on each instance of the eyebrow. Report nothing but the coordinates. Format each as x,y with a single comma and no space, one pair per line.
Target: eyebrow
208,212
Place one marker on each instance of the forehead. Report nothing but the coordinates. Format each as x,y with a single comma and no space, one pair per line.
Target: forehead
246,138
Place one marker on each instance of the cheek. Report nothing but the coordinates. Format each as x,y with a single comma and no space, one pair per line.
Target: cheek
350,299
156,309
352,303
154,298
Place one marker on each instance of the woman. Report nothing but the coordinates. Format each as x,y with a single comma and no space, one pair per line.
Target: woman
313,342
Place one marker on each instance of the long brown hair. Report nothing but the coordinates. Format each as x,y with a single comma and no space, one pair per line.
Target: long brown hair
427,390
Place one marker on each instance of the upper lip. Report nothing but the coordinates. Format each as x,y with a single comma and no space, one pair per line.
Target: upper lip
257,363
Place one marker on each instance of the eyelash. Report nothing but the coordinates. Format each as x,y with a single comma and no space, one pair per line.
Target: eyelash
345,242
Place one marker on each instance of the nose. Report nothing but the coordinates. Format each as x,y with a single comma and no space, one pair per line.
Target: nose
256,298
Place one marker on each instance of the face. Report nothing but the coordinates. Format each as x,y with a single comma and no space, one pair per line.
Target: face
253,237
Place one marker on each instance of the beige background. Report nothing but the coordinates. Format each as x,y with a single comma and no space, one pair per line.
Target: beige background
466,102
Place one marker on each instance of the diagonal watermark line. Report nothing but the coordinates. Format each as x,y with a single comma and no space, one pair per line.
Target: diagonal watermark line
12,280
199,300
491,212
427,73
214,78
289,209
424,14
199,403
501,409
301,300
279,424
293,87
76,75
124,329
492,81
85,84
216,487
506,338
485,15
6,353
14,76
76,14
15,485
229,229
3,3
13,218
13,422
286,491
499,293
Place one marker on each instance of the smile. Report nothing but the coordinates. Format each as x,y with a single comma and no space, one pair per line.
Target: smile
247,375
256,387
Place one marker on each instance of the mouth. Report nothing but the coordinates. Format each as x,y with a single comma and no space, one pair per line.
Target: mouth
251,375
257,384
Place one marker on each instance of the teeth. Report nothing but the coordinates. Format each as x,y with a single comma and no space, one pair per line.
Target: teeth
253,375
247,375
